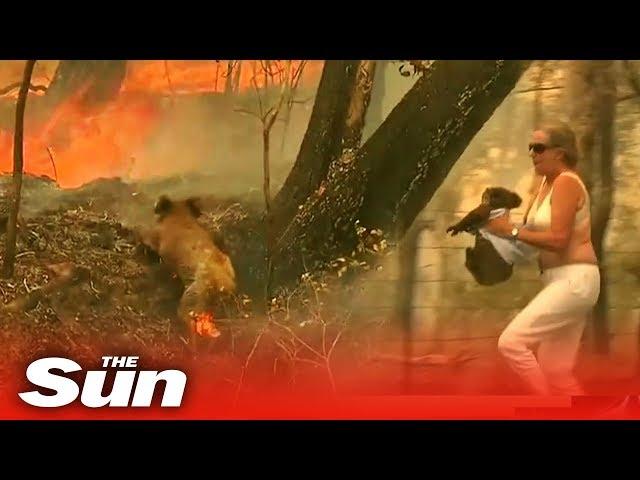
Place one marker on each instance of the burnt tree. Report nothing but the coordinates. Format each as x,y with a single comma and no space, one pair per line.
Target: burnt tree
592,98
393,175
89,83
18,160
375,113
98,80
322,141
358,107
409,156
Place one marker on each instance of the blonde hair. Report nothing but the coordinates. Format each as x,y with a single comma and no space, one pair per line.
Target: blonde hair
562,136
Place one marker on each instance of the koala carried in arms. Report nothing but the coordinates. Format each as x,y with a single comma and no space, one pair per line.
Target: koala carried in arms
492,258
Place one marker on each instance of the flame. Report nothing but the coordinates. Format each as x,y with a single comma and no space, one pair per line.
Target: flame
204,325
180,76
75,146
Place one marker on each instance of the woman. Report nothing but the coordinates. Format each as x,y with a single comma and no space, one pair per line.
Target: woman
559,225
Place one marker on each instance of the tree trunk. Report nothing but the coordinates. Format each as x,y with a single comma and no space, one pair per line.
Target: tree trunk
102,80
289,104
582,111
538,94
235,88
358,107
375,113
228,79
604,204
18,160
593,101
407,258
396,172
266,131
408,157
536,180
322,141
94,82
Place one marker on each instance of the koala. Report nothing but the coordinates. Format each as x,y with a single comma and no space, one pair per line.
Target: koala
492,198
188,249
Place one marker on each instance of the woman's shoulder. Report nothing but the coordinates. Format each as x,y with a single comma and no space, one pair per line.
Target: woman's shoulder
570,185
569,179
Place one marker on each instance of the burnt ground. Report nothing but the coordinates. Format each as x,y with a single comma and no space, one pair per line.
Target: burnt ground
127,303
126,299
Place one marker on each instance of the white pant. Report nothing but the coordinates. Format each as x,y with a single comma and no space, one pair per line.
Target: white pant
553,322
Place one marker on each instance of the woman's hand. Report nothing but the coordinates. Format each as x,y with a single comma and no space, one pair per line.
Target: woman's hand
500,226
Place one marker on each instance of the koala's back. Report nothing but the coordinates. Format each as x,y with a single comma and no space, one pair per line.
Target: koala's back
189,248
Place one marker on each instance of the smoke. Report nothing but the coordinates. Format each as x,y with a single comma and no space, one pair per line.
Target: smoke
202,138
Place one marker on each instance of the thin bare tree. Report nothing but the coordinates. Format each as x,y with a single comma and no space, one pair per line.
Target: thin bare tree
267,113
18,162
290,101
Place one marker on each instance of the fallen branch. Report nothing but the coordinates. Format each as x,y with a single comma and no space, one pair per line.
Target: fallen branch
67,275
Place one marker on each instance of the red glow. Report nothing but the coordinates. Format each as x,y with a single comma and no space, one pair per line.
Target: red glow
84,147
213,393
180,76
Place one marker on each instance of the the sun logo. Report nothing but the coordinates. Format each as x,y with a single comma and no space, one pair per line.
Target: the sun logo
67,390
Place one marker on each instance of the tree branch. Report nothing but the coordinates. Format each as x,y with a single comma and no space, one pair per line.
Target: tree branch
13,86
537,89
627,97
255,86
248,112
166,73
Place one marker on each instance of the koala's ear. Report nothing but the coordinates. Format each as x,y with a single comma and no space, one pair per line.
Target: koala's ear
163,205
194,206
517,200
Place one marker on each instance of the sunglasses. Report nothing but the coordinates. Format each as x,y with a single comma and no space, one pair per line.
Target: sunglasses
538,147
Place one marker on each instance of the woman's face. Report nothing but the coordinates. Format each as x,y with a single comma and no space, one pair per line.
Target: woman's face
546,159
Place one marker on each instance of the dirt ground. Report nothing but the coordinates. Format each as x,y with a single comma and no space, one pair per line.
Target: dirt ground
128,301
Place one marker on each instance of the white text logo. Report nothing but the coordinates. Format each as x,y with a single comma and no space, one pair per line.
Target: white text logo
127,389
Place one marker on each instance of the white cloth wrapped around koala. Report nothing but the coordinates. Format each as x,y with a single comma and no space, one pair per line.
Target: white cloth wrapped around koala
513,252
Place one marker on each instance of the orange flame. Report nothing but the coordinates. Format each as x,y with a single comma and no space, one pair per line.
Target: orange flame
179,76
205,326
77,148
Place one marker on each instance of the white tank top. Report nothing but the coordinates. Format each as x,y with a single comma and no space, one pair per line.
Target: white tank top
541,218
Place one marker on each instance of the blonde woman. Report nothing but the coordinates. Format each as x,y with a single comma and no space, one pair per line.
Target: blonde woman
541,343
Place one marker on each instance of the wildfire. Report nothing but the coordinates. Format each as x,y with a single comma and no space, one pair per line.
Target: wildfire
75,146
188,76
204,325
